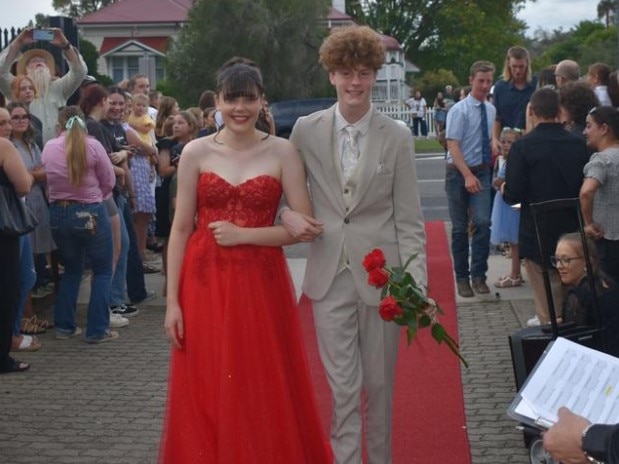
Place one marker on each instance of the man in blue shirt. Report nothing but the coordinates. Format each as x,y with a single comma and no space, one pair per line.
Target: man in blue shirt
512,93
467,180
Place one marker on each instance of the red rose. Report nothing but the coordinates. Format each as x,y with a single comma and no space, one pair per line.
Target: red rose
374,259
390,309
378,278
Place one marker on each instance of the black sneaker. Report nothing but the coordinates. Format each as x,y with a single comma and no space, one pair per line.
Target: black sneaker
125,310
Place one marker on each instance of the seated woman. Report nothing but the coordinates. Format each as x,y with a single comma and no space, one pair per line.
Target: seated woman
579,306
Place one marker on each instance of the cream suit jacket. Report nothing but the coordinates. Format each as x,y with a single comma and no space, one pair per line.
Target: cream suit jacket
384,211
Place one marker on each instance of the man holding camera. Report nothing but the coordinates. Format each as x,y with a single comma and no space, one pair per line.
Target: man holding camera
38,64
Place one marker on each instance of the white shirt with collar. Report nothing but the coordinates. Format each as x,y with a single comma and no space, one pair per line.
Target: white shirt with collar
362,125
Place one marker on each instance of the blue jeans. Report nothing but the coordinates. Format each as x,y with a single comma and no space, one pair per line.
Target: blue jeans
120,273
462,206
136,286
75,242
424,126
27,279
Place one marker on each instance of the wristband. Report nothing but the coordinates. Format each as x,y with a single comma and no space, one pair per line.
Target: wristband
584,449
66,47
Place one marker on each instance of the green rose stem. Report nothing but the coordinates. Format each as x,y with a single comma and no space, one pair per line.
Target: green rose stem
412,308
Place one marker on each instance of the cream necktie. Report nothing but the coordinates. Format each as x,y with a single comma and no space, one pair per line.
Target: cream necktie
350,155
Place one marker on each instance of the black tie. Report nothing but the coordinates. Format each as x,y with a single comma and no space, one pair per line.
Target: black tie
485,139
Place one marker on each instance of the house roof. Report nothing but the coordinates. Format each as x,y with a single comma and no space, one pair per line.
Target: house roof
156,43
390,42
337,15
140,11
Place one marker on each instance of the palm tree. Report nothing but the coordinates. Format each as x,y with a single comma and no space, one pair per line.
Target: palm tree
606,9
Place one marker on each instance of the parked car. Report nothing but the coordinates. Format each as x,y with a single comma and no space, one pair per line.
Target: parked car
285,113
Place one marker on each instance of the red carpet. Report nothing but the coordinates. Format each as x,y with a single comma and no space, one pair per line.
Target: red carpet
429,420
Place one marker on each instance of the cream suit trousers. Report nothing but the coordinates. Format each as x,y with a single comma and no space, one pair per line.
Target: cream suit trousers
358,351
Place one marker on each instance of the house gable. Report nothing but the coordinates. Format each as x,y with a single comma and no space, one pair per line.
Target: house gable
135,46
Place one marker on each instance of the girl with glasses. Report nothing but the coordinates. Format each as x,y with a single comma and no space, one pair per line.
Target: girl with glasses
578,305
39,241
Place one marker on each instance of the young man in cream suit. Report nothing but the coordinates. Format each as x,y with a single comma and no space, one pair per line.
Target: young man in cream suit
364,192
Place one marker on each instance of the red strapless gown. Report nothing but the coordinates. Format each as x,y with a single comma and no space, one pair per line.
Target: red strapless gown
239,390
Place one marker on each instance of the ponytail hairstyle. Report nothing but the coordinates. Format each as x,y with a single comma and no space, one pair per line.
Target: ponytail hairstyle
71,120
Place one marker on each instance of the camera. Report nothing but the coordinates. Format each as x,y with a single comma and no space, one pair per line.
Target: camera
45,35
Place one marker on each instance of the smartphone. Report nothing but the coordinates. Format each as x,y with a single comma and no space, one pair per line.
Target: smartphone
45,35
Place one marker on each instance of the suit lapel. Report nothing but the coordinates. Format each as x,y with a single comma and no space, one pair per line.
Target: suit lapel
369,158
325,156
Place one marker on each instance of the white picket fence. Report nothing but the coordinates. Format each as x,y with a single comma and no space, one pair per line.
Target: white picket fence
403,113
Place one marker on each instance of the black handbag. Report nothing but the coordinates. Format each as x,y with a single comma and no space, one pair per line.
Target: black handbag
15,216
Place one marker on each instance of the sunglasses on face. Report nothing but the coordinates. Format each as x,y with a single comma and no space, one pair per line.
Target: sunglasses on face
20,117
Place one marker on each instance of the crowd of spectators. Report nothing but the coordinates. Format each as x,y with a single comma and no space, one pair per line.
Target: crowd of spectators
100,167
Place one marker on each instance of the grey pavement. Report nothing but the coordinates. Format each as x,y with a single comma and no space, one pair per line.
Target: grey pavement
104,404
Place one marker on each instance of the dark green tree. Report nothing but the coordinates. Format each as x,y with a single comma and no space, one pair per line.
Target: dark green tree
432,82
606,10
449,34
587,43
78,8
91,55
282,37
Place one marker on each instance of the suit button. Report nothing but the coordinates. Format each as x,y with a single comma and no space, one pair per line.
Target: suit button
346,220
346,191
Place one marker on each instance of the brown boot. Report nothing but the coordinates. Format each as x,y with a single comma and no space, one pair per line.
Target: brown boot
464,288
479,285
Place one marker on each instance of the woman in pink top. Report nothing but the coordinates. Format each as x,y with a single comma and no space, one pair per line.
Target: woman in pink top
80,176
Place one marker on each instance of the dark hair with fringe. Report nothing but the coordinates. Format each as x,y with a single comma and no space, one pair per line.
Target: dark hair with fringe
239,77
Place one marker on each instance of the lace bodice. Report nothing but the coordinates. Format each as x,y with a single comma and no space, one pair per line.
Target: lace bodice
252,203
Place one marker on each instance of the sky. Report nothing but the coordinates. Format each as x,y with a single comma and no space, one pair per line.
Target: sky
547,14
555,14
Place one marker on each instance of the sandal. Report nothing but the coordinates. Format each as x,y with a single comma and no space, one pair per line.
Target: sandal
28,343
507,282
15,366
148,269
43,323
30,327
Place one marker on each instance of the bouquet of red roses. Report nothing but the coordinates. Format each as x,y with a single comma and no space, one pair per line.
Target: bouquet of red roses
404,302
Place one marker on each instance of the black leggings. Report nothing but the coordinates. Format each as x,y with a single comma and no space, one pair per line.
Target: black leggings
9,295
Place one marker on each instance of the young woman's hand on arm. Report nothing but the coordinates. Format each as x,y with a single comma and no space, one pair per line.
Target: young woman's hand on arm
294,185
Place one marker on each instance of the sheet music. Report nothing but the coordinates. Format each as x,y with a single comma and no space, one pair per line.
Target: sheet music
580,378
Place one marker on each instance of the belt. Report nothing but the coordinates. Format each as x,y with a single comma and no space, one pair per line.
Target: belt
478,168
65,203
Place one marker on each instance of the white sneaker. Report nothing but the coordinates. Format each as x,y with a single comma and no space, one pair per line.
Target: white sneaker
533,322
117,321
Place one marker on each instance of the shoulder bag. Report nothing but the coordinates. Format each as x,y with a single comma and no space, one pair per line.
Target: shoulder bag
15,216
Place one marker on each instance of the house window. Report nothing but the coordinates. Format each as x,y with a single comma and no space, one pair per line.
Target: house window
123,67
159,68
117,68
133,66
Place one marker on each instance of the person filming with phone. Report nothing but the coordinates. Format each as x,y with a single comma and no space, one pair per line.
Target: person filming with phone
51,91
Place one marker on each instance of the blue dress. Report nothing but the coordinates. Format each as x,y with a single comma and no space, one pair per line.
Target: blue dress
505,219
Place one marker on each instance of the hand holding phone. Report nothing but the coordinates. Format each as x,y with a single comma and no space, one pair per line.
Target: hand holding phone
44,35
